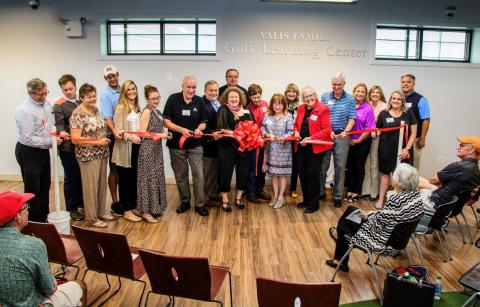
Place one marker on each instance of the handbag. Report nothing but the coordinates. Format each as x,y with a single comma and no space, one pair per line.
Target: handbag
400,292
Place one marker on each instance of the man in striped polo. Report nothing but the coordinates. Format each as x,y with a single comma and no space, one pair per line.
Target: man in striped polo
342,117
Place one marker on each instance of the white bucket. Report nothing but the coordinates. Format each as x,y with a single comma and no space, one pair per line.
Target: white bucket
61,221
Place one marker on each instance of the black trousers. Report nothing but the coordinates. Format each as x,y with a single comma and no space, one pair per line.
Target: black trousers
309,170
35,167
72,185
294,176
256,176
344,227
357,156
127,181
229,158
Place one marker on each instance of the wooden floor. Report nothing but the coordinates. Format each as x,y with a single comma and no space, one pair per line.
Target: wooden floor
284,244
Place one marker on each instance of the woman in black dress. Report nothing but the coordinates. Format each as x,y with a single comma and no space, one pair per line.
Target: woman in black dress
393,116
229,115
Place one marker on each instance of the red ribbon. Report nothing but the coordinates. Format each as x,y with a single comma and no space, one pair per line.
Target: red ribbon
155,136
248,135
185,136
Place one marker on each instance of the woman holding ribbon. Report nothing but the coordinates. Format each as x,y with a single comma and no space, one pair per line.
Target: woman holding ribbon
311,124
292,94
151,186
371,182
125,150
278,124
395,114
91,150
229,115
359,143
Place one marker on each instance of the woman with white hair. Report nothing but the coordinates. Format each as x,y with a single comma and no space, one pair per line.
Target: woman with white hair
375,227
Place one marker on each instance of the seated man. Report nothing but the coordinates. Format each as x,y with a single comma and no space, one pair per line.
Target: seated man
454,178
25,276
372,230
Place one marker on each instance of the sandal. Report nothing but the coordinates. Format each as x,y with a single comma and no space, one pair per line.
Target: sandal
226,207
98,224
348,197
352,199
293,194
240,203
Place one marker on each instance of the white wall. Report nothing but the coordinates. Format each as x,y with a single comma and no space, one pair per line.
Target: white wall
34,45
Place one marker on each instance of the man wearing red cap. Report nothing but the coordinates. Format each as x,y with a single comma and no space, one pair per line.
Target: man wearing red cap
25,276
454,178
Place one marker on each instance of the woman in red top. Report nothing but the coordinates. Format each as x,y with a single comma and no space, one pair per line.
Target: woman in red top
312,123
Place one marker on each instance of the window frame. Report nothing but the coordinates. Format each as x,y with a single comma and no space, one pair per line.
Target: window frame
420,42
162,24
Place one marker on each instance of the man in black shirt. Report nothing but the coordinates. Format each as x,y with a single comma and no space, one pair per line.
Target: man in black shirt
231,76
454,178
184,113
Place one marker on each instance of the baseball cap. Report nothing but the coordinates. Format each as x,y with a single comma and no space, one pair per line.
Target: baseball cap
10,203
109,69
474,140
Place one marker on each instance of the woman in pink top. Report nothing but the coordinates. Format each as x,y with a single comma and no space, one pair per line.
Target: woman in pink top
359,143
376,98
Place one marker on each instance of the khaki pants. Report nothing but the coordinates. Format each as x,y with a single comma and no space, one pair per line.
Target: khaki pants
417,154
94,184
371,183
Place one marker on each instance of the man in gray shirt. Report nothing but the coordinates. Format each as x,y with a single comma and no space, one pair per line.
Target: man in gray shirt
34,117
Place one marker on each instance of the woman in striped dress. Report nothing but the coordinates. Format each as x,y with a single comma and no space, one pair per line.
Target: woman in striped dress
376,227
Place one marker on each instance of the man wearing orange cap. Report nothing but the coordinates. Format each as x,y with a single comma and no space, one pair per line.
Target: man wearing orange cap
25,276
454,178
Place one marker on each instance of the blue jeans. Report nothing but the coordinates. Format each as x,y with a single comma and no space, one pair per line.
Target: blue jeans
72,186
340,154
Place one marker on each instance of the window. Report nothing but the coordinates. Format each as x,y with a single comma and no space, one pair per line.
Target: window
422,44
178,37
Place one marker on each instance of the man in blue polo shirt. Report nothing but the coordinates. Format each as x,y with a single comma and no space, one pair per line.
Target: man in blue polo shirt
108,102
421,110
342,117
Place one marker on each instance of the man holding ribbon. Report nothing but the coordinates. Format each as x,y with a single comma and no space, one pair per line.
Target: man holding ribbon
184,114
342,115
33,118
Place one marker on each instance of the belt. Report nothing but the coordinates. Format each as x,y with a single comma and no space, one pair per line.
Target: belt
337,131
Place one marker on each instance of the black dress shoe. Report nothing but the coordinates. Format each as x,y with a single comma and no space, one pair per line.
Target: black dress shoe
343,267
264,196
337,203
201,210
252,199
301,205
183,207
117,209
311,209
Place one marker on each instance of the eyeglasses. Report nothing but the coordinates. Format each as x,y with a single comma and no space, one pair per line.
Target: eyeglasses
154,98
25,207
41,94
232,77
308,96
461,145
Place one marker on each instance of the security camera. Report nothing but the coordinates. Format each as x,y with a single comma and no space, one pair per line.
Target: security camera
450,11
83,20
34,4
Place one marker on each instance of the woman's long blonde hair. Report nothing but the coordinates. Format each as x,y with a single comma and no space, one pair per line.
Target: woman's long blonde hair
123,100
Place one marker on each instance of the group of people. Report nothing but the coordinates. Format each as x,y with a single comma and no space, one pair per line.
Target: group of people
335,126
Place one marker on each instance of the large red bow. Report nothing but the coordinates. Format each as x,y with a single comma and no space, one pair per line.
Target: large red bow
248,136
